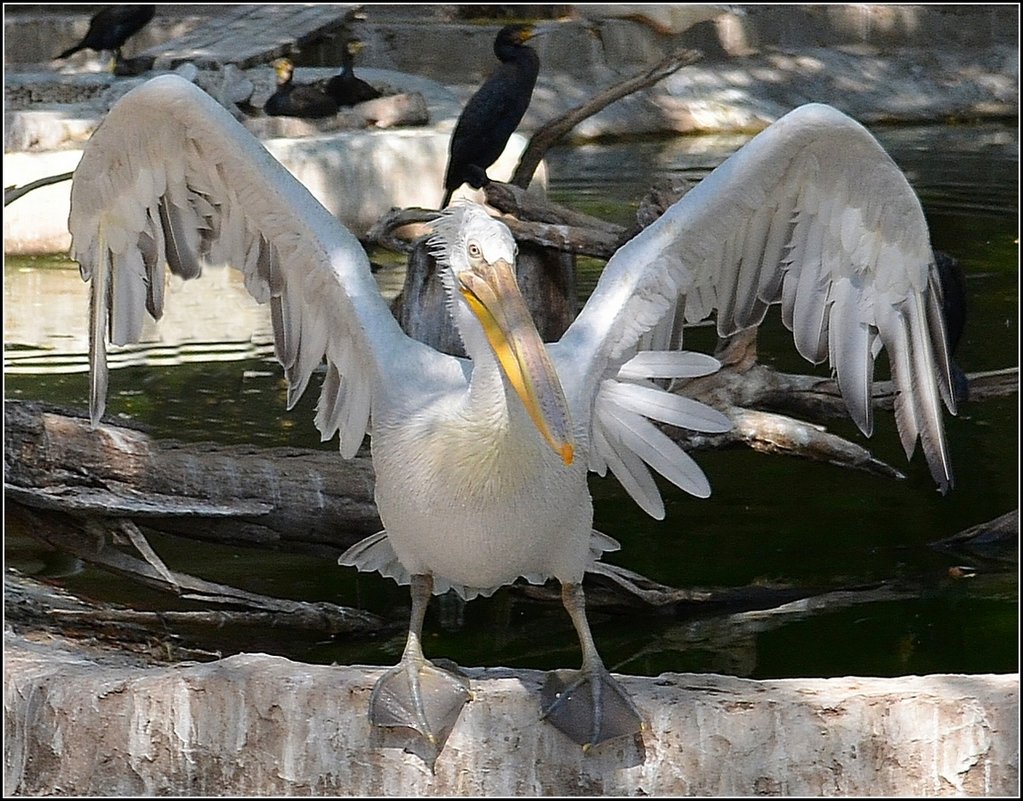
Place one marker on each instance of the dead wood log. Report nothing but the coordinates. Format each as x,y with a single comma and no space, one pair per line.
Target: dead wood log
316,502
94,541
546,225
525,207
765,405
311,501
412,223
996,539
38,609
568,239
64,455
255,725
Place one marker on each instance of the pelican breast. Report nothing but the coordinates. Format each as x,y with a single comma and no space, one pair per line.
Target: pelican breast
472,494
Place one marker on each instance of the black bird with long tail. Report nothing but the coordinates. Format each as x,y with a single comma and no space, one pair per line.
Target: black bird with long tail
494,112
110,28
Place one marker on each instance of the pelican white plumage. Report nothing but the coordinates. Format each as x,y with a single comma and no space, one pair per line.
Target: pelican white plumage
481,463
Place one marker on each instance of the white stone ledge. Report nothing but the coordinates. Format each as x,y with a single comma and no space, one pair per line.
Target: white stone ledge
253,725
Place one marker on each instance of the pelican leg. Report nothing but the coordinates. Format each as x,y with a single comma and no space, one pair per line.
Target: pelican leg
591,707
415,694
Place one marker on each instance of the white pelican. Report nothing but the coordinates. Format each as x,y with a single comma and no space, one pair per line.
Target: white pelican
481,463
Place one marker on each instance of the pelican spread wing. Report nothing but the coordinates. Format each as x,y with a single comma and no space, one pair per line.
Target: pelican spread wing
171,178
811,213
481,464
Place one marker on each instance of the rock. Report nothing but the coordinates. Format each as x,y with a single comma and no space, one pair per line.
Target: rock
255,725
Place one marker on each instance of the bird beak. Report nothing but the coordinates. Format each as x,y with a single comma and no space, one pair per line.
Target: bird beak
493,295
533,32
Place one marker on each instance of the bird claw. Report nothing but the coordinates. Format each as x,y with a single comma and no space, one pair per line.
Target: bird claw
419,696
591,708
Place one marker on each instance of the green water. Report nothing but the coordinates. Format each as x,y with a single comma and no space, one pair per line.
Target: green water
770,521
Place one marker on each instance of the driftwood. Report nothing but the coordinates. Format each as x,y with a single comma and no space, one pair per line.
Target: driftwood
316,502
996,539
304,500
94,540
87,491
524,206
312,501
84,491
530,221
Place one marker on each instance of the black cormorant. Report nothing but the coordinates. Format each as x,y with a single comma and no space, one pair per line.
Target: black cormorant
493,113
296,99
345,87
110,28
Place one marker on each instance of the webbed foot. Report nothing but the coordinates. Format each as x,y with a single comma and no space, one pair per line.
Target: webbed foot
590,708
416,696
419,696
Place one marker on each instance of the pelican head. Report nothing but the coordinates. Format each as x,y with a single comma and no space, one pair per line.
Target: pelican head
476,255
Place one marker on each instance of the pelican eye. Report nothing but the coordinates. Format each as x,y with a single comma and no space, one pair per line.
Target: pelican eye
474,251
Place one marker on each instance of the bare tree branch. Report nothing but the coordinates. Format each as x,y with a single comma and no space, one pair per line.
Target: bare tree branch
552,131
12,193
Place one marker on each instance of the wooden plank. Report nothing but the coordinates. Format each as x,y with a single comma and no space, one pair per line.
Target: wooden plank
248,35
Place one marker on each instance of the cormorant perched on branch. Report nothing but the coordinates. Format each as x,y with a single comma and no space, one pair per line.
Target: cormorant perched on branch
345,87
110,28
494,112
296,99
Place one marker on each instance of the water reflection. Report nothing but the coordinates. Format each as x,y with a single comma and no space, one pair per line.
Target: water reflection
979,174
770,520
46,320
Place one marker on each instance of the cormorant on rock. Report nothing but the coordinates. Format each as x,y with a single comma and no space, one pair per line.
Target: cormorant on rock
345,87
296,99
